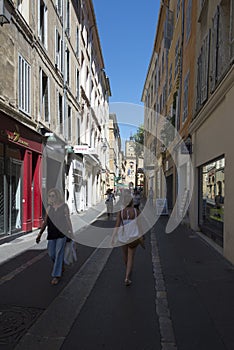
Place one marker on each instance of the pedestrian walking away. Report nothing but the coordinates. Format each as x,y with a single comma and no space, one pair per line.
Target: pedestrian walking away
136,199
128,221
59,228
109,202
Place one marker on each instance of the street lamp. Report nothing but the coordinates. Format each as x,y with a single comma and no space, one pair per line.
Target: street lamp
4,13
104,147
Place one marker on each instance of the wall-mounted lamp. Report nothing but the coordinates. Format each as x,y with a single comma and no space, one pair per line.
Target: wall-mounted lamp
104,147
104,144
5,15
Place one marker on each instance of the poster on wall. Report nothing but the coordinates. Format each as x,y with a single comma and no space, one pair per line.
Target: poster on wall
161,206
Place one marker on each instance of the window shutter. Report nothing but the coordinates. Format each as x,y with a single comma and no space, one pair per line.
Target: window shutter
46,100
56,49
46,27
205,68
232,31
41,94
214,49
39,18
58,109
199,75
61,56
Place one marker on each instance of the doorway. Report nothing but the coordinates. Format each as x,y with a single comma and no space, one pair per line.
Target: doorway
15,196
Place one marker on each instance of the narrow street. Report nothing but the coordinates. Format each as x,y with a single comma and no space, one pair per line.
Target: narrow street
180,298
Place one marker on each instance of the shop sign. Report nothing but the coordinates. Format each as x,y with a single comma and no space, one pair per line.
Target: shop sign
161,206
83,149
20,135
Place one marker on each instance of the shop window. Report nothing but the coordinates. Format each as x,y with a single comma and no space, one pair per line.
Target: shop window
212,199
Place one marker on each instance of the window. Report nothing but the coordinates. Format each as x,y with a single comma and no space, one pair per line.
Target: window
185,100
77,84
203,72
24,85
170,80
177,54
188,19
60,113
67,30
77,41
177,9
67,66
212,199
23,8
59,7
205,68
44,97
42,22
220,55
78,131
69,123
58,51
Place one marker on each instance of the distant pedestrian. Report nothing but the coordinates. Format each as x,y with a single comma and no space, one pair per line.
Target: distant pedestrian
58,223
151,196
109,202
128,218
136,199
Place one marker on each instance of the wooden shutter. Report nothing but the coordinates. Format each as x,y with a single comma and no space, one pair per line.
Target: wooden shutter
205,68
214,49
232,31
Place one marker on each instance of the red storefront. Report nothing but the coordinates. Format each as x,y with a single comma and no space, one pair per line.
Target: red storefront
20,177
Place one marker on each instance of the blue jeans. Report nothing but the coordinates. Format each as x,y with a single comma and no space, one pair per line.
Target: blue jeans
56,249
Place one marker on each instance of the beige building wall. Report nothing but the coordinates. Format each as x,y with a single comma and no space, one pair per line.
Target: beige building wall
212,124
213,137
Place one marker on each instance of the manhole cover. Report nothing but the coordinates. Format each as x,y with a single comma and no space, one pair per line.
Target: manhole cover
14,322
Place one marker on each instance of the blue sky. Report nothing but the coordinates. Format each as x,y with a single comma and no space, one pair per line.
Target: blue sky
127,30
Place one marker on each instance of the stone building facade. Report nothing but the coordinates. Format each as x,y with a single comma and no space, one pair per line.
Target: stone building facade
198,104
54,97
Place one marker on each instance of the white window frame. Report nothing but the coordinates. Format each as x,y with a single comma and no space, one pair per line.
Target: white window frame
58,50
43,34
59,8
68,18
42,98
24,85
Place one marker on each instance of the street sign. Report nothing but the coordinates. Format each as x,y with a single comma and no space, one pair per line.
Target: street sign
161,206
84,149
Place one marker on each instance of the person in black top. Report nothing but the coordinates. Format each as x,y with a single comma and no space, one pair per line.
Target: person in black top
59,226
